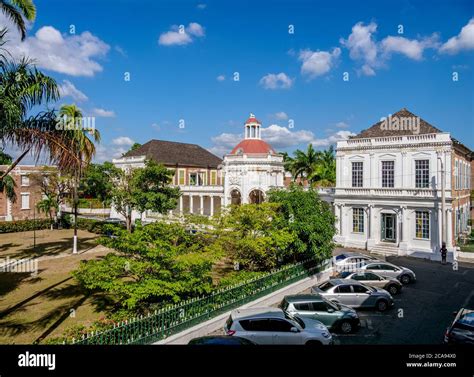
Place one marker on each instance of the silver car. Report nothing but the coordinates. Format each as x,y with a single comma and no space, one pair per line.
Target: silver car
354,294
391,285
351,262
403,274
273,326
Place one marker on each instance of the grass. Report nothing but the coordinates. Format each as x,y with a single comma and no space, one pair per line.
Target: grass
39,307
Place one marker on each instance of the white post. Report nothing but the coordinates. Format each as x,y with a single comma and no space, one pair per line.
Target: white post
449,236
201,204
191,203
181,205
211,198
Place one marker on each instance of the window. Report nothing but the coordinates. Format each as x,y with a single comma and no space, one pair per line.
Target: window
197,178
181,177
388,173
343,289
280,325
25,201
422,173
358,220
304,307
255,325
373,267
370,276
213,177
359,289
422,229
359,277
326,286
357,174
319,306
25,180
387,267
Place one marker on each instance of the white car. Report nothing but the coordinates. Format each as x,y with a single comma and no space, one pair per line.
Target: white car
273,326
351,262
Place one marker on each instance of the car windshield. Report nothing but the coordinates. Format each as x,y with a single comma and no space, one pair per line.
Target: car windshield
325,286
298,320
333,305
341,257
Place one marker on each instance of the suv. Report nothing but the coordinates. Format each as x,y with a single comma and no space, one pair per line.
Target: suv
391,285
337,317
273,326
403,274
354,294
461,330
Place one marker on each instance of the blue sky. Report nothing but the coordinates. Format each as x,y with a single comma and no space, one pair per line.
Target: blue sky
189,75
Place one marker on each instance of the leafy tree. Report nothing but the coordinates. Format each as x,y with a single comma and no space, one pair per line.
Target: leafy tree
143,189
156,263
16,10
135,146
97,181
255,236
5,159
325,173
7,185
310,218
49,206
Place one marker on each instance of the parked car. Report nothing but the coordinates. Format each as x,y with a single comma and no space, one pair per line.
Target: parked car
336,317
115,220
461,331
403,274
351,261
391,285
354,294
222,340
274,326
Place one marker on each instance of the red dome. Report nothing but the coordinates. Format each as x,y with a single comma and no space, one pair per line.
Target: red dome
253,146
252,120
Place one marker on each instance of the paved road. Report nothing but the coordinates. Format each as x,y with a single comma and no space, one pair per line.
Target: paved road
423,310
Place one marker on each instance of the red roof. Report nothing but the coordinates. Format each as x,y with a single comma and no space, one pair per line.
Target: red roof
252,120
253,146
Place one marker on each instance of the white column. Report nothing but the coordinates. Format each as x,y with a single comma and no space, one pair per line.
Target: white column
211,210
181,205
449,230
338,218
191,203
201,204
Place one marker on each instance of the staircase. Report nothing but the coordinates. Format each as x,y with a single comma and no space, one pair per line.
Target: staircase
384,248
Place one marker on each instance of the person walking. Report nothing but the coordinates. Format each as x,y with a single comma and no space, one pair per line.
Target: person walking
443,252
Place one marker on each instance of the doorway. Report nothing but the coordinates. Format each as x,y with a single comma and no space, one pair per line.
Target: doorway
389,227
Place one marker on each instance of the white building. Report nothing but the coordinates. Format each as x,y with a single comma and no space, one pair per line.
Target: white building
388,189
251,168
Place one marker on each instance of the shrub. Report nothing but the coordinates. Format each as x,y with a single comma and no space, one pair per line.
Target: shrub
24,225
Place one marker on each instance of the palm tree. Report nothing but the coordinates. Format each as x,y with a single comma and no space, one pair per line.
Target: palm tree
47,206
75,137
304,164
324,175
22,88
7,185
16,11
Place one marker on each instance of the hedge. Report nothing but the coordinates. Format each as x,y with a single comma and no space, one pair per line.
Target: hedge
24,225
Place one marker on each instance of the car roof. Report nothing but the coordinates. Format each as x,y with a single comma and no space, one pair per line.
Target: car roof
343,281
257,312
303,297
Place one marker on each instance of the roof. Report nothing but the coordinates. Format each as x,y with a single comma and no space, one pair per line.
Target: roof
253,146
173,153
257,312
252,119
378,131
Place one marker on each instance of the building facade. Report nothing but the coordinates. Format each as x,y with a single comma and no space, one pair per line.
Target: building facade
389,190
27,192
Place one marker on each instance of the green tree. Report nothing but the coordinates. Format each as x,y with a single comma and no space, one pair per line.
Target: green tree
134,147
324,175
157,263
255,236
310,218
7,185
97,182
16,10
143,189
48,206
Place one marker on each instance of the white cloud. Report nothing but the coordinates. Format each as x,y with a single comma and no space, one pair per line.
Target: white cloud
67,89
103,113
282,137
276,81
317,63
201,6
362,46
74,55
463,41
220,78
412,48
281,115
109,152
342,125
122,140
332,139
180,35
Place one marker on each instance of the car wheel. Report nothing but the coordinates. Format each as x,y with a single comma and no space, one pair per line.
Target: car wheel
346,327
405,279
393,289
313,343
382,305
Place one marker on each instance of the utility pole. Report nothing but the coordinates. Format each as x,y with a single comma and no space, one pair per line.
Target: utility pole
74,244
443,204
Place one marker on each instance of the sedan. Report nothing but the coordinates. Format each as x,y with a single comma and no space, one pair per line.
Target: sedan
403,274
391,285
461,331
354,294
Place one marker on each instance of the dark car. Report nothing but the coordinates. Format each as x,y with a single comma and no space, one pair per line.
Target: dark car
461,330
223,340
